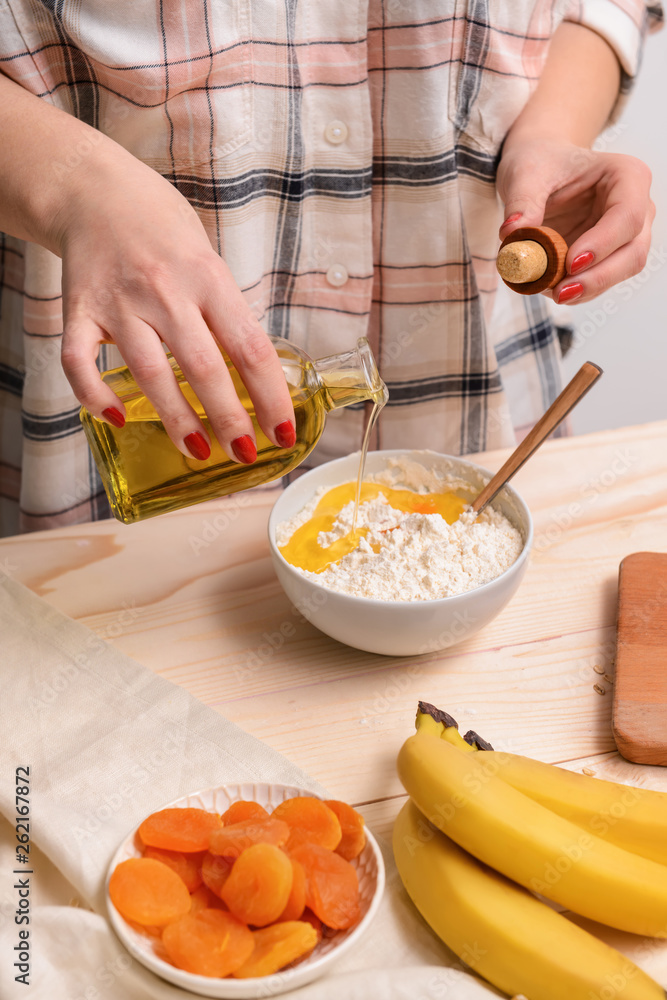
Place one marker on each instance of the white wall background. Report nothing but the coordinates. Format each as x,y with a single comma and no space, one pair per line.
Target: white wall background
625,330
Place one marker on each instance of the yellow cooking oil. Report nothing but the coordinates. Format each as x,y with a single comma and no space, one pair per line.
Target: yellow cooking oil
145,474
304,550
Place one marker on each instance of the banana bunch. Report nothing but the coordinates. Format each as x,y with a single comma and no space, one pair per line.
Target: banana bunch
484,830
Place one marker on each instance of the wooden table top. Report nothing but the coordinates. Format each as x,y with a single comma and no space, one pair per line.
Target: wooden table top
193,596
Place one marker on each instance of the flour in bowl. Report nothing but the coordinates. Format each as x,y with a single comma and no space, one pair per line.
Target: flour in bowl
412,556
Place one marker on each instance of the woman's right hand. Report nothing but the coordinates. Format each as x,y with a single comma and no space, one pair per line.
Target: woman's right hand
139,270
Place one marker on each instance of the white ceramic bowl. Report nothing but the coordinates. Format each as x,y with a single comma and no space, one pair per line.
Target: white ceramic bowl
398,628
370,872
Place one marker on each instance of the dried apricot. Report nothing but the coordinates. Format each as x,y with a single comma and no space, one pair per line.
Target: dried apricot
242,811
314,921
276,946
259,885
230,841
179,829
147,892
296,902
208,943
332,887
203,899
188,866
147,930
215,871
352,824
310,820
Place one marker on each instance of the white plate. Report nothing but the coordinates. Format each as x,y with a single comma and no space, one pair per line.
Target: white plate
370,871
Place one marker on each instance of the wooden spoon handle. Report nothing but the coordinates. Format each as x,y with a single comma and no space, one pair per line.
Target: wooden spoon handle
575,390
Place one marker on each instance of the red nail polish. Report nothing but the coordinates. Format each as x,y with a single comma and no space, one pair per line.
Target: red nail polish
511,218
198,446
245,449
285,434
581,261
570,292
114,416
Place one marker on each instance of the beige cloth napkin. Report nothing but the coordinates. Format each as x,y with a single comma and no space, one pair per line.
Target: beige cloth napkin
107,741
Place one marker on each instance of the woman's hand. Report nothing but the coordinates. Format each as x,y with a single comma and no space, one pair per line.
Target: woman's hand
548,174
139,270
599,202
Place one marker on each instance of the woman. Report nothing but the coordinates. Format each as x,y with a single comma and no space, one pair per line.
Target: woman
200,176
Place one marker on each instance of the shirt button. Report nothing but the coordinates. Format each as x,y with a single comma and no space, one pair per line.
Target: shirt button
336,132
337,275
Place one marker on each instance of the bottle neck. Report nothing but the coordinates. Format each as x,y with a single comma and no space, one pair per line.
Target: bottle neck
351,377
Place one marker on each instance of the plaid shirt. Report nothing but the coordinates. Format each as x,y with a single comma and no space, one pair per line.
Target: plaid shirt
342,158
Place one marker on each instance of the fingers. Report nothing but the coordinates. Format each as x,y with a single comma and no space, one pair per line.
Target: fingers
590,281
526,191
525,183
616,246
255,359
206,372
80,347
209,378
521,213
253,356
622,196
195,338
152,372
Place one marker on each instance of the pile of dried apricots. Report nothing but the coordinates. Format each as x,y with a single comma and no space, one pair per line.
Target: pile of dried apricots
246,893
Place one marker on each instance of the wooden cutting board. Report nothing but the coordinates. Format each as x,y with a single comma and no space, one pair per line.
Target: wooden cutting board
639,714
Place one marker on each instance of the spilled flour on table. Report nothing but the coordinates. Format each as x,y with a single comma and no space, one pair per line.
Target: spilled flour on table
420,557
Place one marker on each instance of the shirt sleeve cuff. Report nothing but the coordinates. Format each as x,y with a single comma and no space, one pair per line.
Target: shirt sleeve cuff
624,25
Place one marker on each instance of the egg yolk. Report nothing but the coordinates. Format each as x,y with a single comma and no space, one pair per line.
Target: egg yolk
303,549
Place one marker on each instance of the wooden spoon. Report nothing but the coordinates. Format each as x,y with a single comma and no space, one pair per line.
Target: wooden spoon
575,390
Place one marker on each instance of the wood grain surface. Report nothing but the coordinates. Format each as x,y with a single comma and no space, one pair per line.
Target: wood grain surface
639,719
193,596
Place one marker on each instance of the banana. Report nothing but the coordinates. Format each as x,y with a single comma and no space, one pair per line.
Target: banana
632,818
528,843
502,932
437,722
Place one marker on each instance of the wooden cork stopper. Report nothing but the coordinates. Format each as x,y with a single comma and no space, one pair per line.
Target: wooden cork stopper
522,261
536,263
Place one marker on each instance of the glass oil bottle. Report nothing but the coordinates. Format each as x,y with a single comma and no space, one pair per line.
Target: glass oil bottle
145,474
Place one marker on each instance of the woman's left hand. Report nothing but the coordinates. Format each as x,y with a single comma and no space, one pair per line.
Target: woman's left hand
599,202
